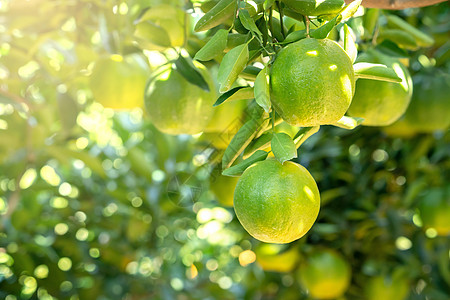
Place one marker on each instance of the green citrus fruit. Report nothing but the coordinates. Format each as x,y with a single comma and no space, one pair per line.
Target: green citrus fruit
429,109
315,7
227,117
223,187
312,82
276,203
381,103
118,82
168,18
387,288
175,106
400,128
277,258
325,274
434,210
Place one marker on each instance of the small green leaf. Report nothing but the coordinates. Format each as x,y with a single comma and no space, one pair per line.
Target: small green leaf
348,122
391,49
323,31
190,73
232,64
215,46
401,38
283,147
370,20
249,23
225,96
262,90
295,36
375,72
223,10
259,143
268,4
349,44
303,134
243,94
243,137
348,11
238,169
250,73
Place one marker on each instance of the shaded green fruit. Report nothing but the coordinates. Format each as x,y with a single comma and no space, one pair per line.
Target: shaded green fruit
176,106
276,258
387,288
325,274
118,82
223,188
312,82
381,103
276,203
434,210
315,7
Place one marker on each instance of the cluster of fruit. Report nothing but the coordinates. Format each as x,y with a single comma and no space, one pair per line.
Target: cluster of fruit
271,76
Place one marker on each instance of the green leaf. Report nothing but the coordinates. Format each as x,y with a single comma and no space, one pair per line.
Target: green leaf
250,73
260,143
190,73
243,137
323,31
225,96
348,11
262,90
238,169
421,38
402,39
391,49
283,147
268,4
370,20
349,44
249,23
375,72
215,46
217,15
243,94
151,36
303,134
232,64
295,36
348,122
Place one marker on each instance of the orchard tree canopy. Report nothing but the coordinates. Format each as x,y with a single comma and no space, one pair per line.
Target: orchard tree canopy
224,149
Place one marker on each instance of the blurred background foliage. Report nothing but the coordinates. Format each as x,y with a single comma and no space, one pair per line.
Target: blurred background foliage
97,204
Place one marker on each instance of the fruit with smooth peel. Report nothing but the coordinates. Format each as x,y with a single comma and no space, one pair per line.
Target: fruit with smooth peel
429,109
387,288
176,106
381,103
434,210
118,82
312,82
223,187
276,258
228,117
325,274
276,203
315,7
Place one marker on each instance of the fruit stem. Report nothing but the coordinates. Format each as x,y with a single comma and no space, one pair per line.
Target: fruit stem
307,25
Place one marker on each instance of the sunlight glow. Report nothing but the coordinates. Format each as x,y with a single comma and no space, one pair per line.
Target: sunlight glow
312,53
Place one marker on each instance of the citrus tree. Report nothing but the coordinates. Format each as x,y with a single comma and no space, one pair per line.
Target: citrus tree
151,149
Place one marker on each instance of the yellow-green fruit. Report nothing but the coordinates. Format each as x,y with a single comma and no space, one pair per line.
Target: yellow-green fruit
429,109
381,287
276,203
381,103
434,210
169,18
223,188
325,275
227,117
277,258
217,140
312,82
175,106
315,7
118,82
400,128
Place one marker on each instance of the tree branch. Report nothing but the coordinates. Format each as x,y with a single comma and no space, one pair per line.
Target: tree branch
396,4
